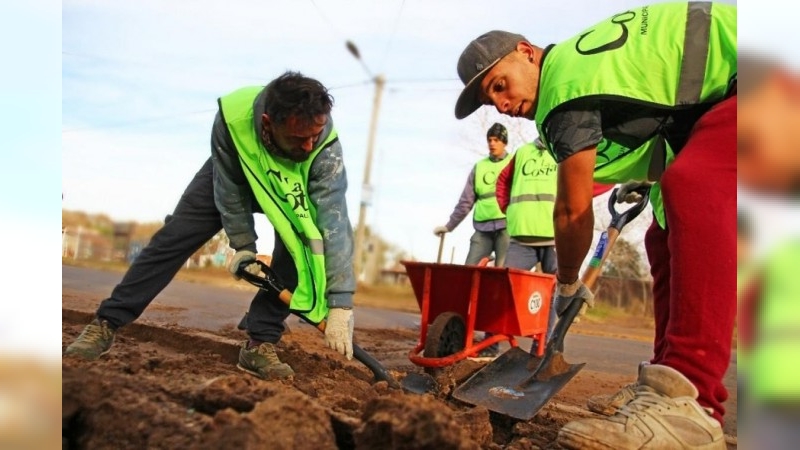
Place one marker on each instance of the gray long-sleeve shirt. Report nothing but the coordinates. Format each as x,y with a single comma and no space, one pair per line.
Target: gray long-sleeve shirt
327,186
465,204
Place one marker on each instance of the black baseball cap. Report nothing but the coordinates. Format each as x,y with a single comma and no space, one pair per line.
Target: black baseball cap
476,60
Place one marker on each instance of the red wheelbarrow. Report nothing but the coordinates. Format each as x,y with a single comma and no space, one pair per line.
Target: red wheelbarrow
457,300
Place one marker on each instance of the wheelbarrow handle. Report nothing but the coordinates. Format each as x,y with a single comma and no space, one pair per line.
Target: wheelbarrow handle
271,282
620,219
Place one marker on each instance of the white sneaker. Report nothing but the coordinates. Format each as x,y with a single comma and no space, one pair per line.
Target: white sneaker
664,414
608,404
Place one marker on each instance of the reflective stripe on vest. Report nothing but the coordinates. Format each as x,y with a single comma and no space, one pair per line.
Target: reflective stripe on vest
668,55
281,188
533,193
486,173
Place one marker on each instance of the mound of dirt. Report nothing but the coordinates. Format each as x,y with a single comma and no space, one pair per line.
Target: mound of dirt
166,387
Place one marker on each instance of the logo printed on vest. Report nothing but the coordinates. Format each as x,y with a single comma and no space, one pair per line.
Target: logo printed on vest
620,19
489,177
529,168
299,198
296,197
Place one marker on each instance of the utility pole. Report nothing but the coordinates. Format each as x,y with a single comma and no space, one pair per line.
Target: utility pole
366,188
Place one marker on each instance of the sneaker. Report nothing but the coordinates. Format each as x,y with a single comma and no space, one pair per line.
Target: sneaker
607,405
664,414
263,362
94,341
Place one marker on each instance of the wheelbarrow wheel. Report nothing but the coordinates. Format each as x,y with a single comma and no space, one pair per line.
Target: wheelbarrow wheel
446,336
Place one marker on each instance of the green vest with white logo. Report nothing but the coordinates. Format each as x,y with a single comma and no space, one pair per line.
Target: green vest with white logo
774,360
486,173
668,55
533,193
281,188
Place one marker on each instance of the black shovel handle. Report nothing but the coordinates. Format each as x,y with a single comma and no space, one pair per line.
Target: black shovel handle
271,282
620,219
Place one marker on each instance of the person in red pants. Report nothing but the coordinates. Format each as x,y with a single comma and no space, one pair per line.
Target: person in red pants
648,94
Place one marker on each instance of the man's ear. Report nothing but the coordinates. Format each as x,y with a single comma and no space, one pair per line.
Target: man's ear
526,49
266,123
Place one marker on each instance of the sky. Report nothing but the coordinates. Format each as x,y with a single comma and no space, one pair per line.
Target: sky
137,84
140,82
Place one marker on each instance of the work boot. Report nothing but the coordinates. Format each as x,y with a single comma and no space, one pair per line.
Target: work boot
263,362
664,414
607,405
94,341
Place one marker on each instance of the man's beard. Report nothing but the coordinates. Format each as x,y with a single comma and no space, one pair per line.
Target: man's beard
292,155
297,155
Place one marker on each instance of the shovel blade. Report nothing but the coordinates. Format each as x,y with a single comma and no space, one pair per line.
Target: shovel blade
507,386
417,383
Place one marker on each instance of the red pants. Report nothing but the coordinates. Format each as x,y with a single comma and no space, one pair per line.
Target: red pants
693,261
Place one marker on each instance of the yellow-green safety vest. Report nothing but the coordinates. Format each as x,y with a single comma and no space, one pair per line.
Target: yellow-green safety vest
281,188
533,193
671,55
486,173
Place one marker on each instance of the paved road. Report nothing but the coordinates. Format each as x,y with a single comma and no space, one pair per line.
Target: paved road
211,308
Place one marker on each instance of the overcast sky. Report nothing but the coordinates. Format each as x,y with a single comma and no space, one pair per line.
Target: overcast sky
141,79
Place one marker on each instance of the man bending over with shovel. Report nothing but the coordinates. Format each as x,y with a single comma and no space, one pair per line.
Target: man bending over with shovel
648,94
274,150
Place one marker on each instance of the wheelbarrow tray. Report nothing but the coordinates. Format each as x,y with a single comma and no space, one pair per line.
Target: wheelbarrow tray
510,301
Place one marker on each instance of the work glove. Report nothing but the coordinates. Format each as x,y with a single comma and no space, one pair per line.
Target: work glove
244,256
438,231
627,192
339,331
568,293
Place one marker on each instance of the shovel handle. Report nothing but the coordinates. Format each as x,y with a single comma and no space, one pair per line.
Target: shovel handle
620,219
441,247
271,282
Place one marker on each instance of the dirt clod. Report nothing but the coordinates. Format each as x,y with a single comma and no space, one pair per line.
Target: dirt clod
401,422
285,421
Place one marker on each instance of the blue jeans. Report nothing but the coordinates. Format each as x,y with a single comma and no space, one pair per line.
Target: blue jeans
482,243
525,257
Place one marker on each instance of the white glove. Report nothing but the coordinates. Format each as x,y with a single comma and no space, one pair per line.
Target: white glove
244,256
567,293
339,331
438,231
627,192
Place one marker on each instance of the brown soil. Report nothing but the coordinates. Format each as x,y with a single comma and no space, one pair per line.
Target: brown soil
168,387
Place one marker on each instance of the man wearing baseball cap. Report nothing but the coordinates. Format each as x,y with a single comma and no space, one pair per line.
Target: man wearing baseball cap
648,94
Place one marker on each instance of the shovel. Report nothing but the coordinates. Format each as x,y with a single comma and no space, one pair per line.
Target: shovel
270,282
517,384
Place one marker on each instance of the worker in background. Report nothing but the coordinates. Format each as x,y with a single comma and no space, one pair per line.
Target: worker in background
479,192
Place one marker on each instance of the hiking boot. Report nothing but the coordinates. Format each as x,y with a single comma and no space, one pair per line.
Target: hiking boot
664,414
608,404
263,362
94,341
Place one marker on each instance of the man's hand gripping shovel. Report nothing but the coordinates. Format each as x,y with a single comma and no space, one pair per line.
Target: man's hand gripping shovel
268,280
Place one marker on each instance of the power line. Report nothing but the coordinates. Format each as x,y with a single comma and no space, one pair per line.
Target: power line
138,122
326,20
391,36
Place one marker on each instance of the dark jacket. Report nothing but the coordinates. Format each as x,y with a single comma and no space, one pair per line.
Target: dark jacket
327,186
